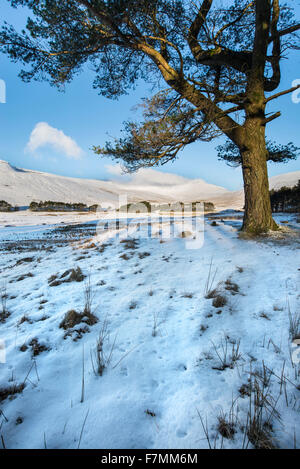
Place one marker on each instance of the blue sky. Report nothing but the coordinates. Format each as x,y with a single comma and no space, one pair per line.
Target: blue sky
81,114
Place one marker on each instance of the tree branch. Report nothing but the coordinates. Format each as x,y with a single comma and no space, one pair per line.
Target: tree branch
273,82
282,93
272,117
284,32
196,26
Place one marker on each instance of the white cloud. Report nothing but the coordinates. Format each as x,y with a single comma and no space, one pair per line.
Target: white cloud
114,169
43,134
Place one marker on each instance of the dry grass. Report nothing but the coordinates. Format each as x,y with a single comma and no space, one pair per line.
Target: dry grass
23,319
226,427
264,315
142,255
37,348
11,391
231,286
187,295
157,322
130,243
100,358
262,411
208,289
125,257
70,275
294,324
228,354
73,318
4,313
203,328
219,301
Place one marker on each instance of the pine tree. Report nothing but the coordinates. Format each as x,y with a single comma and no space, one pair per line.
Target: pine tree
219,62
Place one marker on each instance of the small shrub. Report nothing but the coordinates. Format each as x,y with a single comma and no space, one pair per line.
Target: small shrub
219,301
73,318
294,324
37,348
70,275
203,328
125,257
226,428
22,277
231,286
211,294
245,390
23,319
210,280
4,313
25,260
130,243
157,322
264,315
102,358
76,275
187,295
142,255
11,391
227,358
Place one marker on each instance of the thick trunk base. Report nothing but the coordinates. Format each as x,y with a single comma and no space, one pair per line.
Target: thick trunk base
258,213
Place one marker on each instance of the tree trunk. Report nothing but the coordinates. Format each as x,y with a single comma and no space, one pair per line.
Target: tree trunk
258,212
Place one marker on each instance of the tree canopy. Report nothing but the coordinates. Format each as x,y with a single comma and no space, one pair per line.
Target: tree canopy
203,50
276,153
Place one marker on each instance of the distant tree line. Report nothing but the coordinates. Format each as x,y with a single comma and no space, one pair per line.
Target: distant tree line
51,206
286,199
6,207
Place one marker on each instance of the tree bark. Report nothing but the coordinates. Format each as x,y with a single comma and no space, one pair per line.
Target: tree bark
258,212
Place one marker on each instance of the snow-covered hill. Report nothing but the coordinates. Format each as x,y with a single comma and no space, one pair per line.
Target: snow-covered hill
21,186
288,179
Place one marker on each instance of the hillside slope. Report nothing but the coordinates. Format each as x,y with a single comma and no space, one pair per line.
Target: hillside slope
21,186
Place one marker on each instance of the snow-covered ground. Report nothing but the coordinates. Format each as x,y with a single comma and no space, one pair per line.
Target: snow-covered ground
167,340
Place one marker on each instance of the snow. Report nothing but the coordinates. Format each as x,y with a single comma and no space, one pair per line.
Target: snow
22,186
170,374
288,180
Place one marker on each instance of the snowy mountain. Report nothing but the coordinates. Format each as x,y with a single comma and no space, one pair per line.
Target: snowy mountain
21,186
288,179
